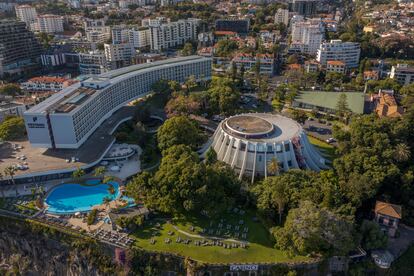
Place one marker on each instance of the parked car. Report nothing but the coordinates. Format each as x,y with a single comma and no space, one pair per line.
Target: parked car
330,140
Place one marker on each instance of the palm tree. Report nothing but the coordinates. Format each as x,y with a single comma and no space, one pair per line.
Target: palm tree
10,172
107,179
78,174
273,166
402,152
99,171
280,197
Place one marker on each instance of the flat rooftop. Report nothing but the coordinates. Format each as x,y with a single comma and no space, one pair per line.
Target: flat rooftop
330,99
249,124
42,160
113,76
262,127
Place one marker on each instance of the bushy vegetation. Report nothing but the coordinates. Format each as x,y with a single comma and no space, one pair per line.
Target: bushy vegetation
12,128
92,217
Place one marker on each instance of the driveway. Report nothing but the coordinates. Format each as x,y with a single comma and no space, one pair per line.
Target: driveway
397,246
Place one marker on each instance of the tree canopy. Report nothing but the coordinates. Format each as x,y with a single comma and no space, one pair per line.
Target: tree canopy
178,130
312,230
12,128
183,183
222,96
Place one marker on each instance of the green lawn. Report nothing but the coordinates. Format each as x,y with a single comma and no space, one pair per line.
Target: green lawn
260,247
326,149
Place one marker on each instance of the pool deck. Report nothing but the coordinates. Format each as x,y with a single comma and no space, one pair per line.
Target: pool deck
41,161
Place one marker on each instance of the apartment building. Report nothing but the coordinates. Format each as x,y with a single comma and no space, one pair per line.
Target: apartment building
173,34
26,13
140,37
307,36
347,52
19,49
92,63
403,73
119,55
282,16
303,7
48,23
248,61
46,83
335,66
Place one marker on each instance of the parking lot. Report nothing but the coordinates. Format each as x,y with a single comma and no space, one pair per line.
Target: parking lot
319,130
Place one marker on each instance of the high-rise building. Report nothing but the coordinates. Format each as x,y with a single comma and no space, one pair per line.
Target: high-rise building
140,37
48,23
282,16
26,13
307,36
303,7
240,26
119,55
347,52
92,63
19,49
67,119
167,35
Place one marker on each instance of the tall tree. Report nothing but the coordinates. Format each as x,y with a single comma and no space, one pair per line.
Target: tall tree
178,130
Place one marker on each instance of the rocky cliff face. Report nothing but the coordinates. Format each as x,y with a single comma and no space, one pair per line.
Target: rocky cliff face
36,250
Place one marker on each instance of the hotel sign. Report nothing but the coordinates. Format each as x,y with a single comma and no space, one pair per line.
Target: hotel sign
34,124
252,267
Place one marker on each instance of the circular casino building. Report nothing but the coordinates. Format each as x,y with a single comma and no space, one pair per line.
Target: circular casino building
248,142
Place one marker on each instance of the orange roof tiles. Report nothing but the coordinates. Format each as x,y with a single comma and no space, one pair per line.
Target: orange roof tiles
335,63
47,79
387,106
388,209
224,33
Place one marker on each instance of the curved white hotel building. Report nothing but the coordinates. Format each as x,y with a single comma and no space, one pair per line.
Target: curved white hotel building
67,119
336,50
248,142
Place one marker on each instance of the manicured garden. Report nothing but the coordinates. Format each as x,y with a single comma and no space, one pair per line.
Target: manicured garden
242,238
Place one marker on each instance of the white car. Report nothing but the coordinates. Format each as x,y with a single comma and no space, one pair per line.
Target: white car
330,140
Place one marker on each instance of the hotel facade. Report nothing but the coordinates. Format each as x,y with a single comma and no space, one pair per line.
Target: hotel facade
67,119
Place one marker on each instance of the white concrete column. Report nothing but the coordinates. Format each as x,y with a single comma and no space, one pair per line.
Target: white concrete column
236,155
228,150
244,161
254,162
292,155
223,145
285,162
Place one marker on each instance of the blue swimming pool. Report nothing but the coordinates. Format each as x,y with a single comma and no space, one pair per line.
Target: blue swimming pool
71,198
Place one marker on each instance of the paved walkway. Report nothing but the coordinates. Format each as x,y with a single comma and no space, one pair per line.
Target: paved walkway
205,237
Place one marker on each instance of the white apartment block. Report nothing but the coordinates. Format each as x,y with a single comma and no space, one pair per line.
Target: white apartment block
307,36
48,23
119,55
173,34
347,52
282,16
26,13
248,61
98,34
92,63
403,73
140,38
46,83
120,34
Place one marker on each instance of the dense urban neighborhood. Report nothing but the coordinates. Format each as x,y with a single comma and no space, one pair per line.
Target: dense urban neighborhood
189,137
